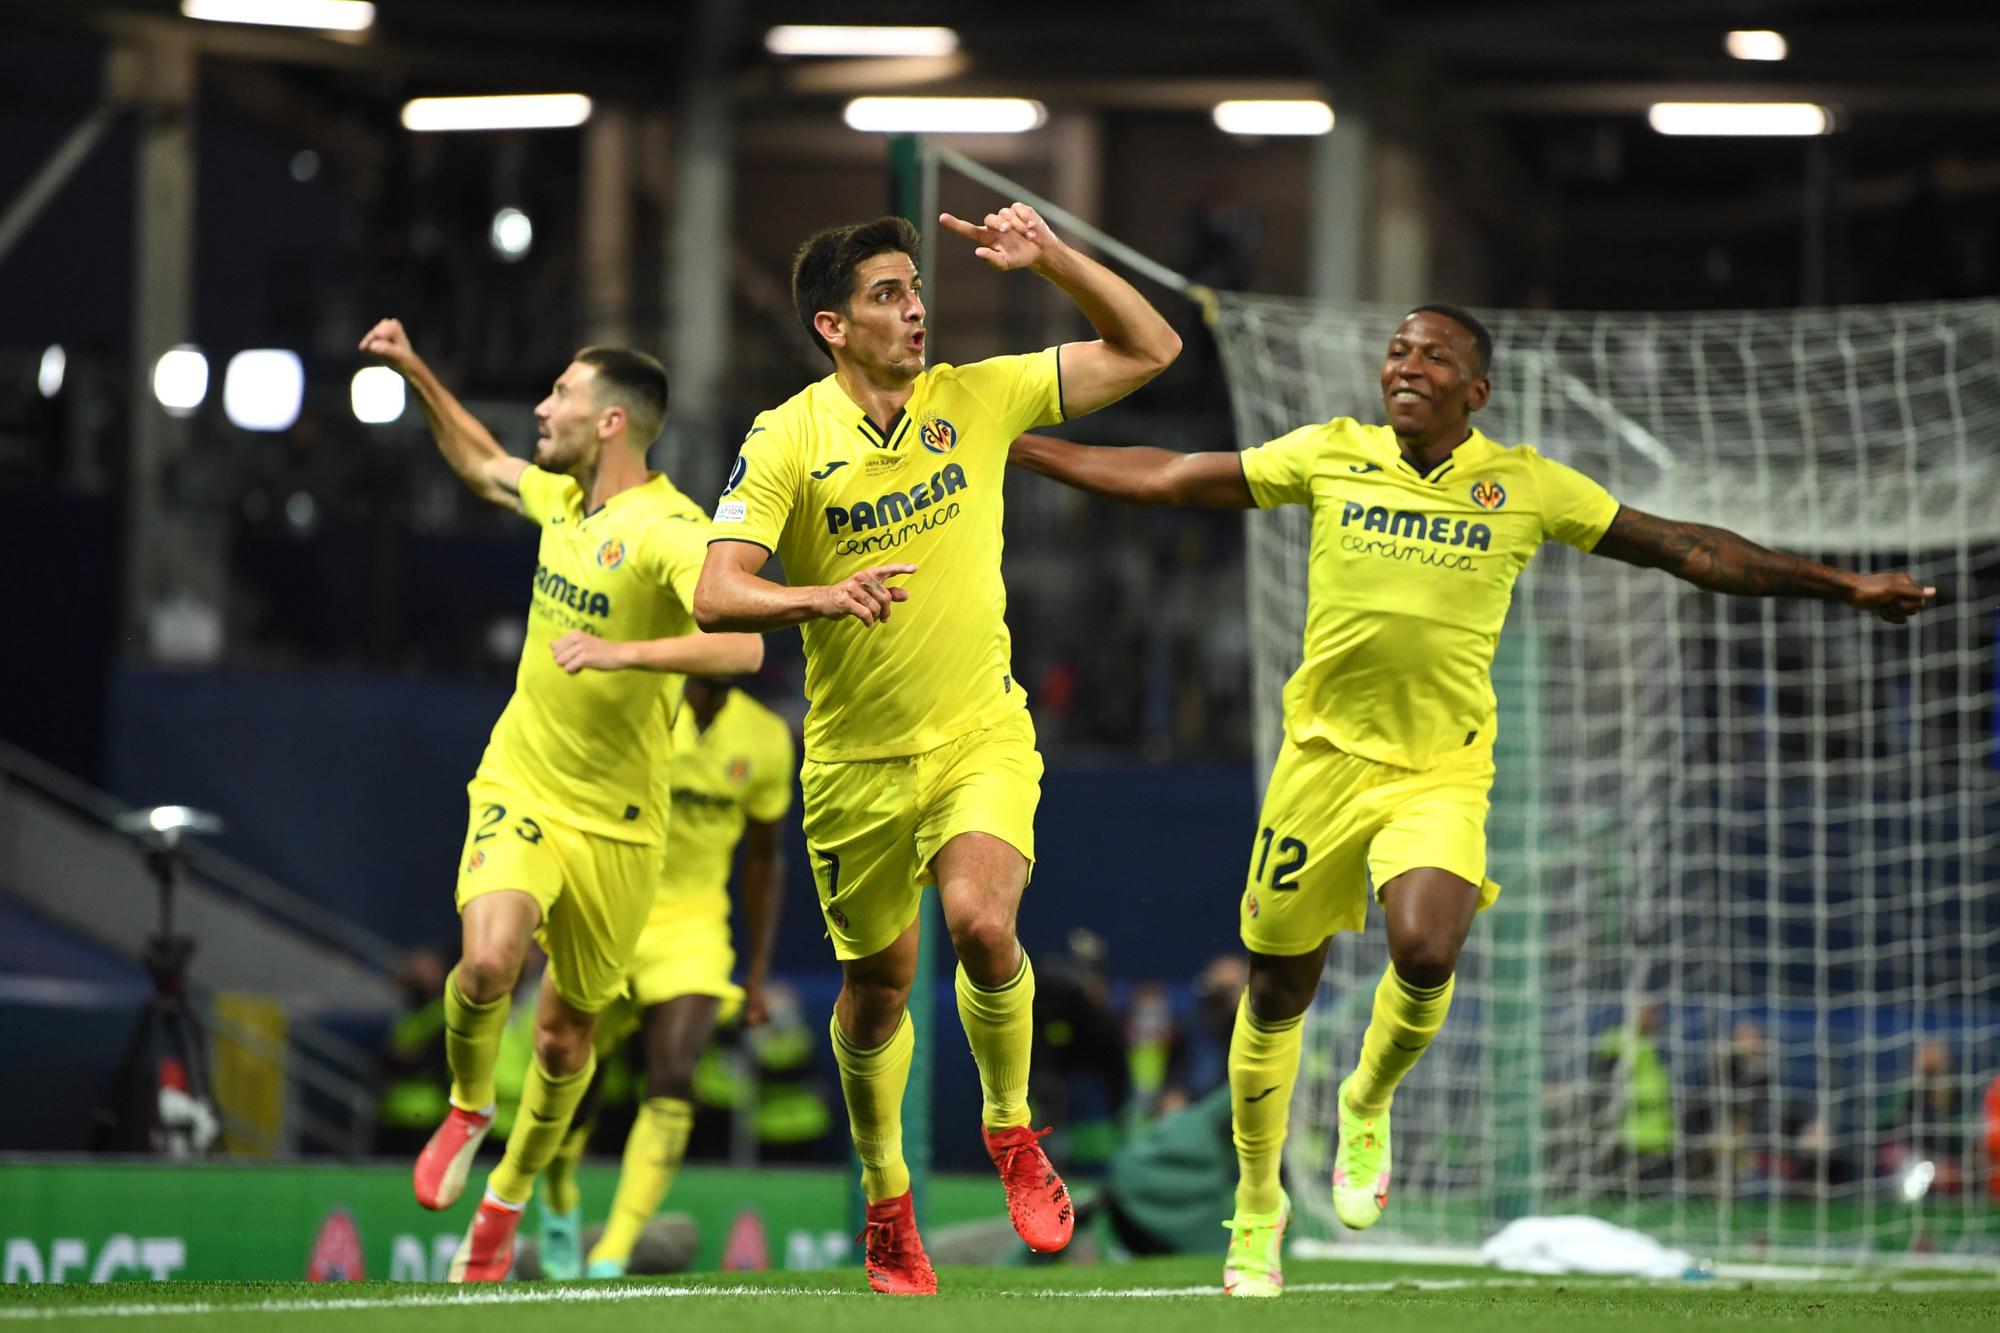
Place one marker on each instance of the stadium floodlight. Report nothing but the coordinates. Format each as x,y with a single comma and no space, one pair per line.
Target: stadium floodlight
514,111
1755,44
1916,1180
263,389
829,39
326,15
512,234
49,376
180,380
945,115
378,395
1742,119
1260,117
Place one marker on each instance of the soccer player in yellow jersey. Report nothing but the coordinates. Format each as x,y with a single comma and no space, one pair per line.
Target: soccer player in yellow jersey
732,771
920,759
1420,528
569,804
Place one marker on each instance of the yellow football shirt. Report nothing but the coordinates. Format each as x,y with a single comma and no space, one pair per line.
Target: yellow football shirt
1410,577
589,746
832,495
738,770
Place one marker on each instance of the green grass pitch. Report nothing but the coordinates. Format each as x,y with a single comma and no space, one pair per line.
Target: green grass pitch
1158,1296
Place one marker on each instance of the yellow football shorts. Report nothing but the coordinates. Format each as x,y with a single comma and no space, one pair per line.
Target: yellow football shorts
1333,823
684,949
594,892
873,826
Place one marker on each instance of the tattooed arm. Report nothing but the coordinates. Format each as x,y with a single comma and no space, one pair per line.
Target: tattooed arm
1721,561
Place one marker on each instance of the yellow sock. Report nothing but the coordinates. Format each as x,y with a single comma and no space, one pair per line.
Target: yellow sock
872,1083
560,1193
540,1126
653,1152
1406,1018
1263,1067
1000,1024
471,1044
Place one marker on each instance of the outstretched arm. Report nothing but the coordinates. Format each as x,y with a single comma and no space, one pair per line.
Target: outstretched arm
763,873
733,596
493,474
1138,474
1721,561
688,654
1134,341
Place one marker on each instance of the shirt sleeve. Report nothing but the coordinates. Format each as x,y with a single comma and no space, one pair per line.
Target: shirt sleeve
1280,472
1022,392
770,792
545,495
763,485
1575,509
682,543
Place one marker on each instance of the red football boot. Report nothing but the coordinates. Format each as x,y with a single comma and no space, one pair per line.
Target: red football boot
896,1262
447,1159
487,1252
1037,1202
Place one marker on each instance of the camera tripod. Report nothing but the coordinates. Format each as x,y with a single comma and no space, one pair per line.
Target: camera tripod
165,1049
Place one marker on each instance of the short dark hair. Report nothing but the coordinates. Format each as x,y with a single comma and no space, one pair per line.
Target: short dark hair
633,380
823,269
1458,314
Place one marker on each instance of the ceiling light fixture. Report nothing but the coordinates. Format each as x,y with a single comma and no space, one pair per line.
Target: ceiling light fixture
945,115
1259,117
824,39
521,111
1740,119
327,15
1755,44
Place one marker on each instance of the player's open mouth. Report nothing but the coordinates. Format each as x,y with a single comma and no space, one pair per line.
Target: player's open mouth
917,340
1406,396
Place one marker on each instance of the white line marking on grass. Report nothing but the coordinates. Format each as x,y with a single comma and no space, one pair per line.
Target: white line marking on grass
414,1301
617,1295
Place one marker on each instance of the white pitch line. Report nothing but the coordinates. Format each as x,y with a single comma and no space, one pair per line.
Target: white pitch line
614,1295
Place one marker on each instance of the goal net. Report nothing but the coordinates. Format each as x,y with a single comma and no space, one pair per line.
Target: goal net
1742,990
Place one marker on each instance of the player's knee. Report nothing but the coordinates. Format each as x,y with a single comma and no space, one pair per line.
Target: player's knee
562,1048
1424,962
986,945
874,1006
487,972
1275,995
671,1078
879,995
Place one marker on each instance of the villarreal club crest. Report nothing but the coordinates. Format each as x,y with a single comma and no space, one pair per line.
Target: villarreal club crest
938,435
1488,494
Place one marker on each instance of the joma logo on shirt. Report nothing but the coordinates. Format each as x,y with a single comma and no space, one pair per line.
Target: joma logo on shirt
896,505
559,589
687,800
1439,528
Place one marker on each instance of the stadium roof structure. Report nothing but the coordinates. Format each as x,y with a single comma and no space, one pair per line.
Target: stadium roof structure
1575,56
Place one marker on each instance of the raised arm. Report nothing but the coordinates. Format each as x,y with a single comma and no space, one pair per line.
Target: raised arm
687,654
763,876
493,474
1137,473
1721,561
1134,341
733,596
